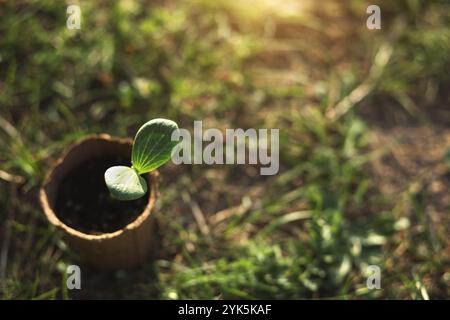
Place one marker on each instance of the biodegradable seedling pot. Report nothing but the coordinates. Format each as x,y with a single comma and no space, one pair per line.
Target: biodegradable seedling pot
113,236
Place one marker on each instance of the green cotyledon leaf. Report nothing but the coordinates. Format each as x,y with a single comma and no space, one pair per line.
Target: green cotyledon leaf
152,146
124,183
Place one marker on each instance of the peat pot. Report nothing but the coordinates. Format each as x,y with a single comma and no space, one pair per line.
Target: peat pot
108,234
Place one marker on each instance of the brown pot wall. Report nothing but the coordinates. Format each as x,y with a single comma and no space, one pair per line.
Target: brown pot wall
122,249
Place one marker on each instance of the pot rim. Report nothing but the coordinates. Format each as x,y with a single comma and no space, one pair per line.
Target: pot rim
52,217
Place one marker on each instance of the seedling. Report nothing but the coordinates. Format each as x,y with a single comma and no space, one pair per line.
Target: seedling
152,147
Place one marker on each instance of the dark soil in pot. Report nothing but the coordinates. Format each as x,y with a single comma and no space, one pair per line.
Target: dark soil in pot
83,201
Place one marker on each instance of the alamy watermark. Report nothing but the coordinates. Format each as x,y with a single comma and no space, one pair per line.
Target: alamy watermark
228,148
374,278
73,277
374,20
74,18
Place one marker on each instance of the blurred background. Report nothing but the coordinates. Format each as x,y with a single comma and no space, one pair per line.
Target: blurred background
364,121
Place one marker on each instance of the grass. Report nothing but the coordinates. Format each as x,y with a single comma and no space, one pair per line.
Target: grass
343,199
